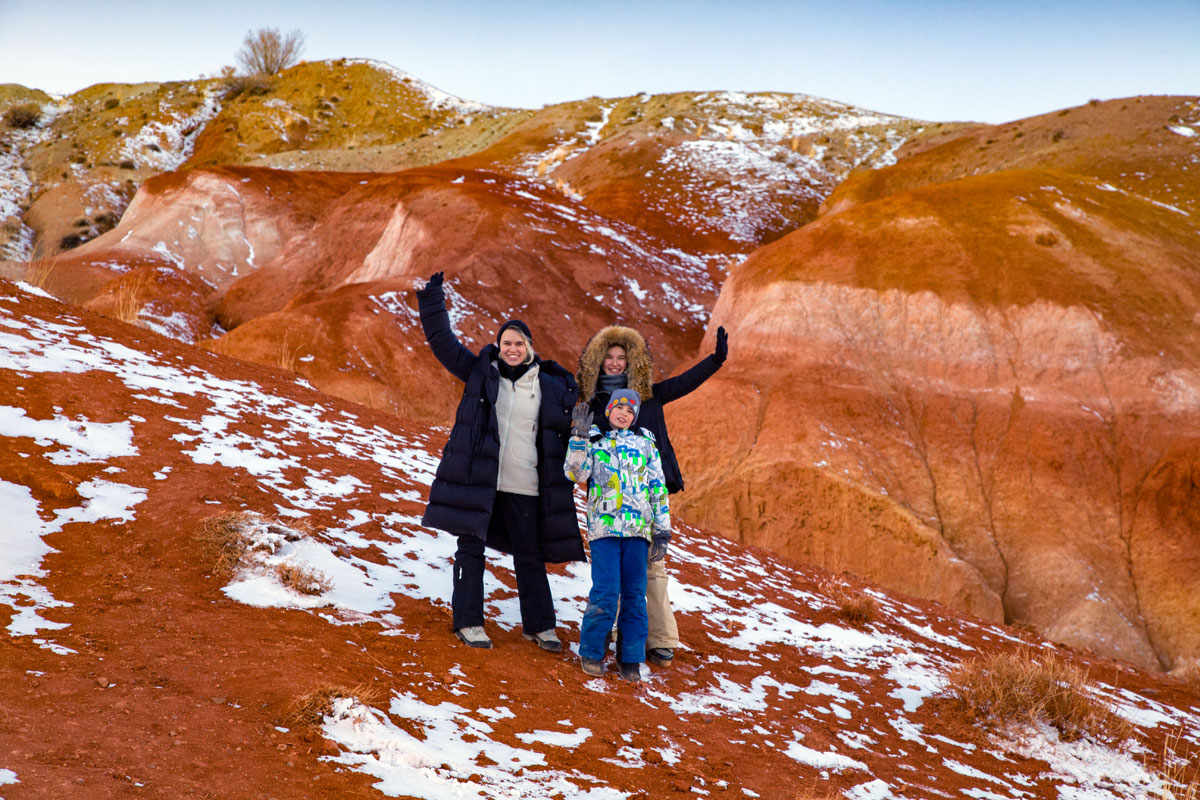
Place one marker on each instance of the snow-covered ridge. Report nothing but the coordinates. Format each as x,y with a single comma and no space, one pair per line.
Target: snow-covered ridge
749,160
802,114
437,98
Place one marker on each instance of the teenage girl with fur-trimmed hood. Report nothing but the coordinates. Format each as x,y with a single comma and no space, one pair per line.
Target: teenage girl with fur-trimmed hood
618,358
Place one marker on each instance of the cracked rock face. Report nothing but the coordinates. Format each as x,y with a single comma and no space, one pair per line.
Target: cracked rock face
931,395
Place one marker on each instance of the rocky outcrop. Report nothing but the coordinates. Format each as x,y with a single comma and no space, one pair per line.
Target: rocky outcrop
315,272
985,392
72,173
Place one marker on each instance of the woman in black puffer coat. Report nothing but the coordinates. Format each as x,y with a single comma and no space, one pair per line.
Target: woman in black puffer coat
617,358
500,483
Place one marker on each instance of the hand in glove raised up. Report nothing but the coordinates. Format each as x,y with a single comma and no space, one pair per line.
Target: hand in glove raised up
435,281
722,350
581,420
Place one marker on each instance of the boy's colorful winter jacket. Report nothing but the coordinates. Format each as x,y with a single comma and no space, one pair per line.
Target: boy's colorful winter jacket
627,493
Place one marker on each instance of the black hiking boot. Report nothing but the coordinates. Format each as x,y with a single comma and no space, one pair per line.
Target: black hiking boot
660,656
630,671
547,640
593,667
474,636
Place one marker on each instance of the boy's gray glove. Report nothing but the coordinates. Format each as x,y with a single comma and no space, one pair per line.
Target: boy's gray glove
658,547
581,420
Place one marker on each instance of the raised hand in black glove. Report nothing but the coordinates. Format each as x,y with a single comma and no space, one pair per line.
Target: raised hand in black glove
658,547
581,420
722,350
435,281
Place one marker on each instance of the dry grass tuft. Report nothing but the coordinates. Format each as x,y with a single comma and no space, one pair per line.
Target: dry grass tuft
127,303
856,608
1180,771
288,353
310,709
238,539
220,346
817,791
249,85
1022,687
25,115
225,541
39,272
302,579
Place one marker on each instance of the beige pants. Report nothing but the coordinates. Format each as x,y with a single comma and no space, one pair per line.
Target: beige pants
663,632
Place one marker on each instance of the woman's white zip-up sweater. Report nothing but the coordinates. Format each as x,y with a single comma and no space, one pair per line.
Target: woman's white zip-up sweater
517,405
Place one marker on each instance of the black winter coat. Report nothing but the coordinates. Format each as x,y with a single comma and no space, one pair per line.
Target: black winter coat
464,486
651,417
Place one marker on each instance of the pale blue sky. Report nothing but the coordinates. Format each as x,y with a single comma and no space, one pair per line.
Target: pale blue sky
936,60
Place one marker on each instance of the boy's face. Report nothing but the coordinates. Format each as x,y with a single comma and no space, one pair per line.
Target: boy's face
621,417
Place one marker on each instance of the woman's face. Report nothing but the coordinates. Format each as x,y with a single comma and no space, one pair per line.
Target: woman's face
614,360
512,347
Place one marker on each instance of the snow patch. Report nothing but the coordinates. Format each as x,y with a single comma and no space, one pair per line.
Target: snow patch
164,145
815,758
82,441
22,542
439,765
1082,769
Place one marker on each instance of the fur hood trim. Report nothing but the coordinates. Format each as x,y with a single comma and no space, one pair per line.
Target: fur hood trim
640,366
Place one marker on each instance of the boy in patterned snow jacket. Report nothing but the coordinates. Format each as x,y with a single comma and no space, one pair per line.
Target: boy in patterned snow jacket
628,521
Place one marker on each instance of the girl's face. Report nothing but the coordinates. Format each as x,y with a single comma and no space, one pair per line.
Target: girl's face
512,347
621,418
614,360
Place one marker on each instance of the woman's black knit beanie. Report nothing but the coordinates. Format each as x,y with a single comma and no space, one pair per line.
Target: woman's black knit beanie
514,323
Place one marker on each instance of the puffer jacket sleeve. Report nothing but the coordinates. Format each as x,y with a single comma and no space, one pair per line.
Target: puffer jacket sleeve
578,464
435,322
688,382
657,484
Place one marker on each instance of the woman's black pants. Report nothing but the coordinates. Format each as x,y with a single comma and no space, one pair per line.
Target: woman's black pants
514,519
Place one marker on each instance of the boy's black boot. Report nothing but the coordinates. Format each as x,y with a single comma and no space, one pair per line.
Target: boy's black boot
630,671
